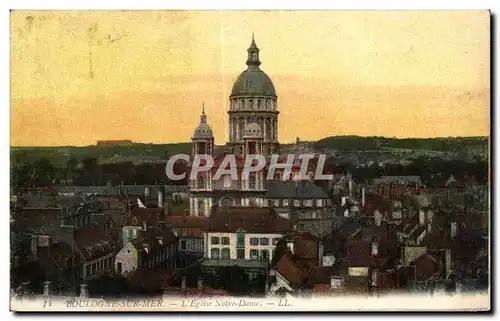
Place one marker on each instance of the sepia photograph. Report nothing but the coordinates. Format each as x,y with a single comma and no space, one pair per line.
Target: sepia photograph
250,160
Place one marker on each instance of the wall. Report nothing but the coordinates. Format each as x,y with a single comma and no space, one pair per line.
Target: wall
128,256
125,229
233,242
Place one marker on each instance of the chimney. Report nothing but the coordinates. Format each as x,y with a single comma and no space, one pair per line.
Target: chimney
24,288
84,292
183,283
160,198
200,283
289,244
46,288
146,191
363,196
374,278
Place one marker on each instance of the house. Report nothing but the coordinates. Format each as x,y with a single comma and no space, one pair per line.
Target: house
190,233
141,219
243,236
157,248
97,252
309,205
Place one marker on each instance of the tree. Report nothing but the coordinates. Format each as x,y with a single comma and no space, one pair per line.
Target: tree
43,172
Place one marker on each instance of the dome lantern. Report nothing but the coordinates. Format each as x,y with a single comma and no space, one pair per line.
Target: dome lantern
253,54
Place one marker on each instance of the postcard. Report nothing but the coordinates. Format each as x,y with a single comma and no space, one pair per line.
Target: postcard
250,161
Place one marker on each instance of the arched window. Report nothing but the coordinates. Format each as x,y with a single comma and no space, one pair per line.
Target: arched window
214,253
226,202
225,254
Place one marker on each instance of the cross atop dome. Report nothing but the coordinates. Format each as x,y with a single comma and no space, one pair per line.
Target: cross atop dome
253,54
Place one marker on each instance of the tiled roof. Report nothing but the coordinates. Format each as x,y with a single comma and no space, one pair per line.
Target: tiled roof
188,226
93,242
292,270
425,267
154,240
250,219
358,253
61,254
398,180
150,215
292,189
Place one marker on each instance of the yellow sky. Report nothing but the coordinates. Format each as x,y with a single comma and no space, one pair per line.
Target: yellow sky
78,77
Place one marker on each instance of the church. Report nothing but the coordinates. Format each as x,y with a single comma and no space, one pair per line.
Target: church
253,129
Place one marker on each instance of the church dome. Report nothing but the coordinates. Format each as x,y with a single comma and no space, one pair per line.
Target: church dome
203,131
253,130
253,82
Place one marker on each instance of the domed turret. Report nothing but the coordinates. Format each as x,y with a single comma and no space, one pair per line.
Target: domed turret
203,130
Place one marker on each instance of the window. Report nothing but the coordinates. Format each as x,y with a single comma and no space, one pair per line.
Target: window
183,245
241,240
296,203
314,214
264,241
226,254
201,208
276,203
254,254
227,181
214,253
285,203
88,269
134,233
225,240
254,241
240,254
129,234
215,240
319,202
252,180
119,267
201,182
192,245
202,244
264,255
101,265
308,203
